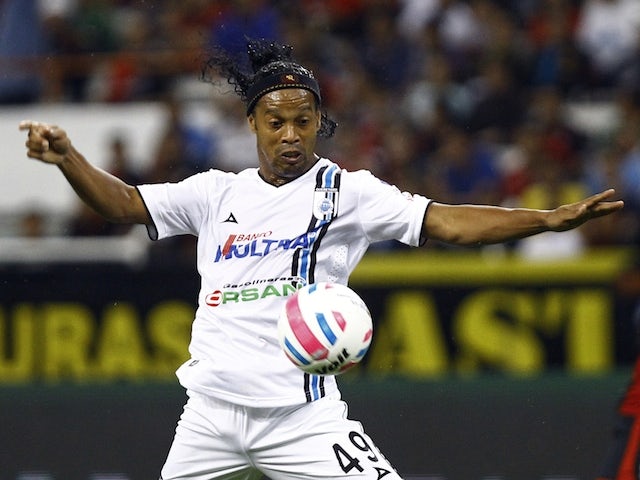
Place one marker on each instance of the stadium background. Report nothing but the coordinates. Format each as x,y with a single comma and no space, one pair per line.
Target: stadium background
502,362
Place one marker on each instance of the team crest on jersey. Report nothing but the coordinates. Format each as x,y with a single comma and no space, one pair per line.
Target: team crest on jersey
325,203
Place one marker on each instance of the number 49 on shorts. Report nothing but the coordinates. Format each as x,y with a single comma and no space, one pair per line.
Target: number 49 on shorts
349,462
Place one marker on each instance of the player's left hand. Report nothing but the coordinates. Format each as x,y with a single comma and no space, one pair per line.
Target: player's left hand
566,217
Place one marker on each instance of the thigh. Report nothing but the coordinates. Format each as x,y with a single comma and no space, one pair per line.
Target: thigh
316,441
206,444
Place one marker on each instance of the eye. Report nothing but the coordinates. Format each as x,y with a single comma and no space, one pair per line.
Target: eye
275,124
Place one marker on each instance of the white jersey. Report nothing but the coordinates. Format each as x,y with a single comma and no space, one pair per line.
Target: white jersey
257,244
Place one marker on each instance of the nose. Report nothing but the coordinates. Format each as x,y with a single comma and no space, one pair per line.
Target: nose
289,133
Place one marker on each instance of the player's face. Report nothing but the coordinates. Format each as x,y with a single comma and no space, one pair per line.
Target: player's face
286,124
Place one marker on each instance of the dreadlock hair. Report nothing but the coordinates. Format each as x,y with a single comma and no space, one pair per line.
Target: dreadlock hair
269,67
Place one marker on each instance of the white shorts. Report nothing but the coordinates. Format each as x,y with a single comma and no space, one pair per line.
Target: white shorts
219,440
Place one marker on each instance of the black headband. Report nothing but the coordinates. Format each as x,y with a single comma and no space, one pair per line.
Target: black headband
278,81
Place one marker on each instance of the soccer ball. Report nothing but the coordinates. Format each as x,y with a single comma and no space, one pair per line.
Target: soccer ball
325,328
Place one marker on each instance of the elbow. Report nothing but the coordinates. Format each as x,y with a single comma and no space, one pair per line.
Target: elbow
129,209
461,238
442,225
117,219
462,241
451,238
112,215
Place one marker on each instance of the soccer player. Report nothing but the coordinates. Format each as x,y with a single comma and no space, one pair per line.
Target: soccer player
622,458
295,219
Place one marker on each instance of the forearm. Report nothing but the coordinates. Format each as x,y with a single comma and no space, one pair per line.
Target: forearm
480,224
106,194
109,196
483,224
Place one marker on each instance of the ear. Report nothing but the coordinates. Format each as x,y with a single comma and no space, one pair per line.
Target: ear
318,120
252,123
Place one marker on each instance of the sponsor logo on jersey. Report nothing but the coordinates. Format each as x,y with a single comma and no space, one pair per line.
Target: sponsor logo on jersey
260,245
254,290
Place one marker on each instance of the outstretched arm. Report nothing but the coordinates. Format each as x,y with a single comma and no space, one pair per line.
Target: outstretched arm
106,194
484,224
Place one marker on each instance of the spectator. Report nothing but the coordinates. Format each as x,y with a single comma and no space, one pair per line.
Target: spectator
606,166
435,93
187,145
234,140
461,35
415,15
562,144
121,163
85,222
608,33
482,65
550,187
556,59
21,41
244,18
77,28
498,104
384,53
33,224
468,169
628,169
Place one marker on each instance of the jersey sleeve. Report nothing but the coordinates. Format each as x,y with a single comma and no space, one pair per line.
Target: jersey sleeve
176,208
386,213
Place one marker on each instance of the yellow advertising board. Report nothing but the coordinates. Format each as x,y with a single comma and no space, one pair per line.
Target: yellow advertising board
435,313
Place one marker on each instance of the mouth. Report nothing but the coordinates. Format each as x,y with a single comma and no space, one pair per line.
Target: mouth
292,156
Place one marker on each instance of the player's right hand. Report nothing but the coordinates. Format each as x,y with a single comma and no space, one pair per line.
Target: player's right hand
45,142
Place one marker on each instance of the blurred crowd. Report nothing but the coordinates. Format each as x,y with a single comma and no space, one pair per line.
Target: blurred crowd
460,100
